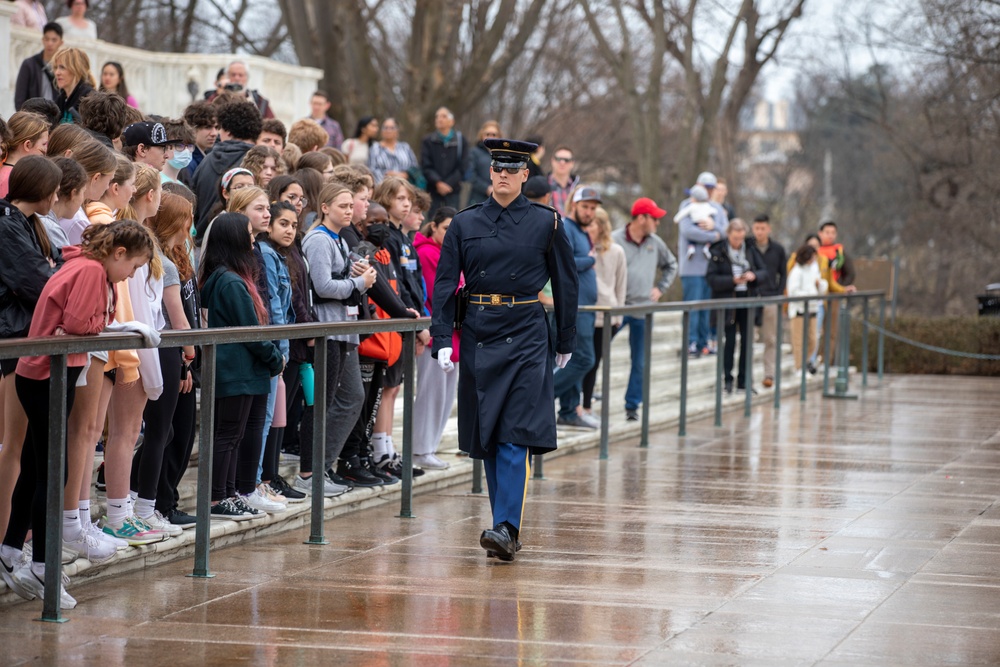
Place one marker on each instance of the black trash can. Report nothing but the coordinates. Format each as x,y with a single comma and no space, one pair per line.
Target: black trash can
989,303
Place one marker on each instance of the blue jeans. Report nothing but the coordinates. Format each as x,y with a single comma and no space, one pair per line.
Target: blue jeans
568,382
272,397
637,346
696,289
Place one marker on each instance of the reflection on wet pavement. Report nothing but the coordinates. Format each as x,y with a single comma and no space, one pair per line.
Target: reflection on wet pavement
827,533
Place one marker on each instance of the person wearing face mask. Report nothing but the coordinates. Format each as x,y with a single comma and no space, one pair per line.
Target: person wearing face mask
181,147
147,143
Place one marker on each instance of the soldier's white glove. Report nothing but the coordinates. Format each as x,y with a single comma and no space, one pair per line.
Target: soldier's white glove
563,359
150,336
444,360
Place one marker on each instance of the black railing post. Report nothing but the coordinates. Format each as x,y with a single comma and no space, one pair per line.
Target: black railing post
318,499
720,327
409,353
826,344
778,334
805,350
536,467
605,382
751,313
685,334
206,438
54,487
647,363
477,476
881,338
864,342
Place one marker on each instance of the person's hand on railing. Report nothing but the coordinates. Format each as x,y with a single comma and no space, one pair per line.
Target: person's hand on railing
850,289
563,359
444,360
187,381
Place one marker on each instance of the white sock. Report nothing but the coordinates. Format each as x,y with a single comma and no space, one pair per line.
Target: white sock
71,524
10,554
84,513
132,495
144,508
118,509
390,446
380,445
38,569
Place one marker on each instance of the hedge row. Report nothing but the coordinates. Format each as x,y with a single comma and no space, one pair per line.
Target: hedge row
962,334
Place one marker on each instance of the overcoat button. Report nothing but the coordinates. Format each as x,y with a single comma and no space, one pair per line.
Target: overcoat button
482,307
479,345
482,273
509,340
513,276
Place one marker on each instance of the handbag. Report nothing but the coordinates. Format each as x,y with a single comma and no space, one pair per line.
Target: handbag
384,346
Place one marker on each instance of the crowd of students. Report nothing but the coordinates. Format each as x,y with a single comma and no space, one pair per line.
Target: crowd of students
115,221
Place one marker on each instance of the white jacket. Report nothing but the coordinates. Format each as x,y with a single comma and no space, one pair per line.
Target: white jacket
804,281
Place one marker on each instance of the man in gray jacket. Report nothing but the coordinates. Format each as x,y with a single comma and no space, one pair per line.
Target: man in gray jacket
694,265
645,254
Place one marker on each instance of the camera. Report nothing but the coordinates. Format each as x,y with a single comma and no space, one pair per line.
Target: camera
234,87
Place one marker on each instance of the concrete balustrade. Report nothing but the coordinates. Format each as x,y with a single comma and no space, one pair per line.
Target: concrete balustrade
159,81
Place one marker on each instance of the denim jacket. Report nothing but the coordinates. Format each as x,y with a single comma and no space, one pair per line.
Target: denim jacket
279,284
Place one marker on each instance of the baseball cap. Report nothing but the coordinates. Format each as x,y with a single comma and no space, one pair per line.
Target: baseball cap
707,179
537,186
146,133
646,206
586,194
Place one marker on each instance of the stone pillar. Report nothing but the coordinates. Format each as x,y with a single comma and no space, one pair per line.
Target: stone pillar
8,68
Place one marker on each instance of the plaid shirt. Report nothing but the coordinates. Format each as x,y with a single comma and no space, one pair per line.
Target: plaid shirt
560,195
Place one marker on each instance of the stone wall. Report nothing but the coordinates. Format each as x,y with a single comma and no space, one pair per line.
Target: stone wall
159,81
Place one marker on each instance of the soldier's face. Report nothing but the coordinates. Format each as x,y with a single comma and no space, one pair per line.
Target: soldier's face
505,183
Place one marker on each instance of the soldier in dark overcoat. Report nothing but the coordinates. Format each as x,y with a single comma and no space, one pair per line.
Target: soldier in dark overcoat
506,248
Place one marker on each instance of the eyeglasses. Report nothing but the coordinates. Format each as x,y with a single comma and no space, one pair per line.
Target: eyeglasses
293,199
239,186
179,147
563,159
509,170
389,128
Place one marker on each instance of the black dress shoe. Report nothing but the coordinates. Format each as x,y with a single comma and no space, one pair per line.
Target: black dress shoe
492,554
499,541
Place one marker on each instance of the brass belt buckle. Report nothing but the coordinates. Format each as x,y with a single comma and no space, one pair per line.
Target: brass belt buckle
494,299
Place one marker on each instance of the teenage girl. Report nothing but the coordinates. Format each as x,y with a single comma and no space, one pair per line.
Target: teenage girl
77,300
26,264
171,226
252,202
243,370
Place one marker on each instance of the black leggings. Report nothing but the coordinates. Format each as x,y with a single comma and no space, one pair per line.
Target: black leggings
28,504
231,415
590,379
177,453
248,456
158,416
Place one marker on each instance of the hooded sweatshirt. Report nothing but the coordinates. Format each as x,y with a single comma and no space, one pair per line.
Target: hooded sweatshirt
429,252
224,156
241,369
78,300
23,271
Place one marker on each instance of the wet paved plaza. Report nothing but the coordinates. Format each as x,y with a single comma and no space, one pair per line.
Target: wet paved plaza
832,532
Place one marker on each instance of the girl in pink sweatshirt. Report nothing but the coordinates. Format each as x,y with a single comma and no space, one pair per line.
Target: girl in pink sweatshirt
78,300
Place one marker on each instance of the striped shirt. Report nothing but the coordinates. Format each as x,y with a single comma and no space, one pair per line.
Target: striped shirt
381,159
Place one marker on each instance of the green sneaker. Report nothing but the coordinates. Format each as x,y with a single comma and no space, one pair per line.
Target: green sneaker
132,532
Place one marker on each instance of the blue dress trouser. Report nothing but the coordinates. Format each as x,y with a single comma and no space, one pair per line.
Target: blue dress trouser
507,481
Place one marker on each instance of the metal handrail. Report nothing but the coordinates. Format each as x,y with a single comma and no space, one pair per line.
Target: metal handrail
57,347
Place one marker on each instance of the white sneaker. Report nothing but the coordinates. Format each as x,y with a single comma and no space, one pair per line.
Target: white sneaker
9,570
590,419
262,503
87,546
271,494
29,581
95,530
157,522
429,462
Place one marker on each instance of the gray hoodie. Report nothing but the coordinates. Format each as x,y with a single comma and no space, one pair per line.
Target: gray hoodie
326,265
